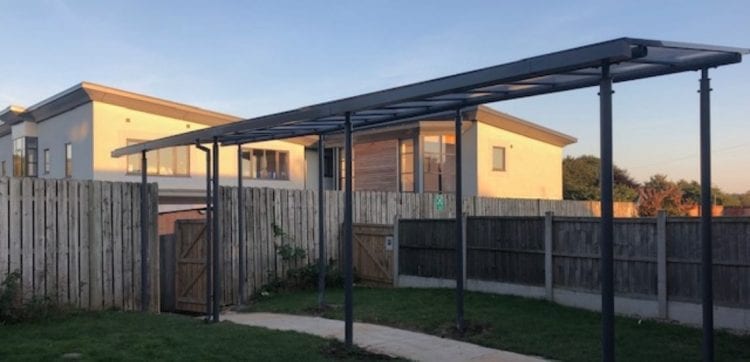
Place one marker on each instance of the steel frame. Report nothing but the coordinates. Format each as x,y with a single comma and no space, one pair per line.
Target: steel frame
600,64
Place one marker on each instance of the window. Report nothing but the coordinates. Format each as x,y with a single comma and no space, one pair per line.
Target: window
498,158
406,165
172,161
46,161
439,163
19,155
265,164
342,168
25,156
328,162
68,160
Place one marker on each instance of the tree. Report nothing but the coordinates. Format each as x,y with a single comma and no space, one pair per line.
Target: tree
659,193
581,180
745,199
691,194
691,191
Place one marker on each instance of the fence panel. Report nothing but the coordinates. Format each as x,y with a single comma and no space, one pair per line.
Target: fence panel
294,213
505,249
74,241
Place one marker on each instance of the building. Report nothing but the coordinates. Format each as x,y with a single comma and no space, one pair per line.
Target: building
71,135
503,156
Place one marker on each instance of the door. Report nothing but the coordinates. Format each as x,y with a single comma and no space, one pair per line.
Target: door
191,269
373,253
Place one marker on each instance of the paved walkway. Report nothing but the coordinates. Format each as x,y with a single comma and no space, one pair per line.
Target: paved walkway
380,339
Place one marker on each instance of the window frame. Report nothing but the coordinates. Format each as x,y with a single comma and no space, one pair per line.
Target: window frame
47,161
19,161
154,156
505,159
68,160
444,177
414,168
25,156
277,162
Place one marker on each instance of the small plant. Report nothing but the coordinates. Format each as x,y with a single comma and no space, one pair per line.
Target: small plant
14,310
290,253
304,278
278,231
9,296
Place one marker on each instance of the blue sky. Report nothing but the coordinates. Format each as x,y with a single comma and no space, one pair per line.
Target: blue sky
252,58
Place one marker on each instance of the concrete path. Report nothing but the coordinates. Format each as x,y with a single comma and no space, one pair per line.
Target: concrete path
380,339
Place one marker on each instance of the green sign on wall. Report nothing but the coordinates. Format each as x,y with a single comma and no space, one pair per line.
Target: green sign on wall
439,202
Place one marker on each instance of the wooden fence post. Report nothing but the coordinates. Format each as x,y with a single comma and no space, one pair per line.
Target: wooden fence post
548,272
661,262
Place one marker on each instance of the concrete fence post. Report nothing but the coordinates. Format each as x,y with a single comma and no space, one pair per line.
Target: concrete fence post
395,251
661,262
548,254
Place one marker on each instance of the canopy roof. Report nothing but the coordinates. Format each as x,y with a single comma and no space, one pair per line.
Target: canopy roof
629,59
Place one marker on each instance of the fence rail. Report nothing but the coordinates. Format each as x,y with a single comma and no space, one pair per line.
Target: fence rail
77,242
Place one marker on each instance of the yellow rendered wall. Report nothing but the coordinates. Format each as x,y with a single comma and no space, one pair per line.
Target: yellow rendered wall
533,169
112,130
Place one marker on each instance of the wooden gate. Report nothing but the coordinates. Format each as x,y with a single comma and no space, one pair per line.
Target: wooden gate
373,253
191,273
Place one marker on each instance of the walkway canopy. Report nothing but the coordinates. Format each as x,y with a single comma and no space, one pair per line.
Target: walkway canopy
600,64
629,59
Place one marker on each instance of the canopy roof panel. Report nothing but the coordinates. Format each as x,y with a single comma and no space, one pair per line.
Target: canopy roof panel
629,59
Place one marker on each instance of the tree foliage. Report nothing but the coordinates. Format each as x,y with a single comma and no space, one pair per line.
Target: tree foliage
659,193
581,180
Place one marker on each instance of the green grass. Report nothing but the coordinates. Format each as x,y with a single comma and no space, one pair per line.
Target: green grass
515,324
134,336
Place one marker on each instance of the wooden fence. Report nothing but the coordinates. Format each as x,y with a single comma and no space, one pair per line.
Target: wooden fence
656,259
77,242
276,217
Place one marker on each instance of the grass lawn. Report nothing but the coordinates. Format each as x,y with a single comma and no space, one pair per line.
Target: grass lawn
515,324
135,336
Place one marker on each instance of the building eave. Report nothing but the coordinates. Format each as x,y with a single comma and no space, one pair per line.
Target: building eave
523,127
86,92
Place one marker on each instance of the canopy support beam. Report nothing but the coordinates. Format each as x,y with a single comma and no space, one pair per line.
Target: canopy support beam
607,216
348,234
706,216
241,226
209,239
216,235
144,234
459,230
321,223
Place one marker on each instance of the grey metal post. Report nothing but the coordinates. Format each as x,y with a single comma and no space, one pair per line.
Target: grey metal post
209,224
607,220
240,225
459,230
144,234
349,315
321,223
395,250
216,235
706,216
548,272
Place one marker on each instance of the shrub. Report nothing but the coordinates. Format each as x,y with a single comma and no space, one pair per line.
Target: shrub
305,278
14,310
